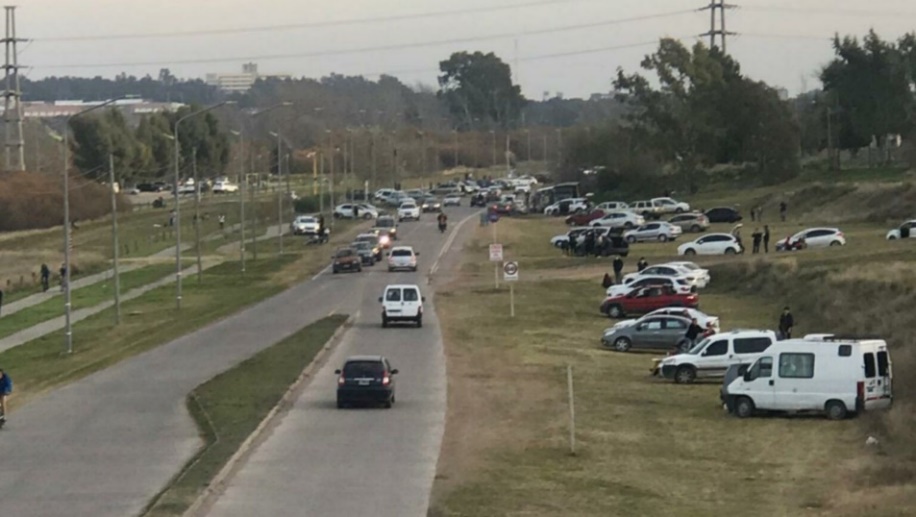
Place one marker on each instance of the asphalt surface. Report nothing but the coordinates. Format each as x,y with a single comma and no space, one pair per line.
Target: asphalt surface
105,445
323,461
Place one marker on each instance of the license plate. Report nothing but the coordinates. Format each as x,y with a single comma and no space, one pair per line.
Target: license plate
363,383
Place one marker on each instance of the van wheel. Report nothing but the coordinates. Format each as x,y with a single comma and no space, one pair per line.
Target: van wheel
622,344
685,375
744,407
615,311
663,238
835,409
419,321
690,252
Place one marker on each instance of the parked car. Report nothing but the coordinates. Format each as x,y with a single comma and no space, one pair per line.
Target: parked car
409,210
567,206
402,303
367,251
452,200
701,274
723,215
712,356
224,187
645,209
383,193
651,332
691,222
906,230
712,244
676,284
698,278
562,240
150,187
374,241
610,206
658,231
704,320
304,225
366,379
386,226
584,218
645,300
837,376
346,259
402,257
666,205
813,238
346,211
620,219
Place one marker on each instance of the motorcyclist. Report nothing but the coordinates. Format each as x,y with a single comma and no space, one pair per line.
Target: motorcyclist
443,221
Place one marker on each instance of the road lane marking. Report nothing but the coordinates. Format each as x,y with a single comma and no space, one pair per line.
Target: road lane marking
448,244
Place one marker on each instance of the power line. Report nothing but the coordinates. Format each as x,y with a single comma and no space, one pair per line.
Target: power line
830,11
312,25
381,48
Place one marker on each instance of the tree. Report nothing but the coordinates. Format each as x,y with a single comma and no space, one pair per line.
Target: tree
97,136
200,134
479,86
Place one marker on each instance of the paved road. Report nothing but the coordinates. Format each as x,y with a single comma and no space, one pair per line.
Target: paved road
323,461
105,445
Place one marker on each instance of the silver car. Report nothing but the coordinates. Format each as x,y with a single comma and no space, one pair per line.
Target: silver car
651,333
692,222
660,231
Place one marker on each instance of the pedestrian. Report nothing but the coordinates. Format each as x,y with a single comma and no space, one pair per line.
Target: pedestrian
45,278
607,281
618,269
783,208
757,236
355,211
222,221
710,330
766,239
172,218
693,332
642,264
753,214
63,277
589,243
600,245
759,213
786,323
6,389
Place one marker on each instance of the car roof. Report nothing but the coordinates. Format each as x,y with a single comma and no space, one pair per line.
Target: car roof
709,235
400,286
395,248
364,358
374,236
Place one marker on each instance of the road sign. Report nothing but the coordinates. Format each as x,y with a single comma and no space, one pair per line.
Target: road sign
510,272
496,252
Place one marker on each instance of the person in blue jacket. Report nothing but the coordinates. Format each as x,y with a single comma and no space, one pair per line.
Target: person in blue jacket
6,388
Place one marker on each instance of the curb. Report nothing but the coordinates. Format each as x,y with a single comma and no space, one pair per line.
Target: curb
218,485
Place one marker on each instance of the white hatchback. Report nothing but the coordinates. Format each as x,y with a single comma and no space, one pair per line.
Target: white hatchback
402,257
409,210
712,244
697,278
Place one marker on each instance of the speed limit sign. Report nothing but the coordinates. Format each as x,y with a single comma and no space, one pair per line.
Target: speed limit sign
510,271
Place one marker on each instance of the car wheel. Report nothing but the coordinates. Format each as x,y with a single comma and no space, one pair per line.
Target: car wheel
390,269
622,344
730,251
336,215
631,239
340,404
685,374
334,270
835,409
836,243
628,225
690,252
388,404
744,408
662,238
696,228
359,269
367,216
678,210
892,238
615,311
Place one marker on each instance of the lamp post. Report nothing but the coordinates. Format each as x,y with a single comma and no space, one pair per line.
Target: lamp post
455,148
177,204
276,134
528,152
493,159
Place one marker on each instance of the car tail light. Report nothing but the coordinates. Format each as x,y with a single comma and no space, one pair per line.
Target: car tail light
341,380
840,234
386,380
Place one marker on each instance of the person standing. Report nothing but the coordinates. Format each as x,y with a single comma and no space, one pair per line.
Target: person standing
6,389
783,208
757,236
642,264
45,278
63,277
618,269
693,332
753,213
607,281
222,221
766,239
786,323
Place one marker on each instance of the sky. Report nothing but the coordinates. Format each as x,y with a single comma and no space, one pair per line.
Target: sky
571,47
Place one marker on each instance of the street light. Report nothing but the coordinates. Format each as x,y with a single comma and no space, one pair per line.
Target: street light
493,160
177,204
276,134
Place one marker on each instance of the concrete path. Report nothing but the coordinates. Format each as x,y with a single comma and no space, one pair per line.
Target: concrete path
47,327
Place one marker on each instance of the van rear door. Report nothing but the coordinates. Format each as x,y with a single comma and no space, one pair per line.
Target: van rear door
877,369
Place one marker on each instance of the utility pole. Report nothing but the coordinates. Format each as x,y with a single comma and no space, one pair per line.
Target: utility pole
372,158
243,179
717,29
455,150
200,268
12,116
508,151
493,158
528,152
351,136
114,239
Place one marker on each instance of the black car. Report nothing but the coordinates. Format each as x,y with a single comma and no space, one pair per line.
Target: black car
366,379
149,187
615,245
368,252
723,215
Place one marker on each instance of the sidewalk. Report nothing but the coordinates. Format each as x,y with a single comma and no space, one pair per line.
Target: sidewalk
47,327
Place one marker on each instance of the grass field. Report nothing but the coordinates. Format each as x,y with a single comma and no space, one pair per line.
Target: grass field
647,447
230,406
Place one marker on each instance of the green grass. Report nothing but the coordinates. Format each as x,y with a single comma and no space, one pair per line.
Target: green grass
82,298
230,406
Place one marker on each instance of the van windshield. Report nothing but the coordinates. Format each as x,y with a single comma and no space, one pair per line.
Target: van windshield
698,347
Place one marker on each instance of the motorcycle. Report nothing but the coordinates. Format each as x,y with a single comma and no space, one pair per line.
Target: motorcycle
442,226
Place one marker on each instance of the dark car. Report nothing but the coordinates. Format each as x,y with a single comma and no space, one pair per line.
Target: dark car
148,187
367,252
374,243
723,215
429,204
346,259
583,218
366,379
386,225
615,245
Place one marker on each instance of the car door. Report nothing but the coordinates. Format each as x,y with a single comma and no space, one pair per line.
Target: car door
758,384
818,238
713,361
649,231
394,304
673,332
648,333
412,301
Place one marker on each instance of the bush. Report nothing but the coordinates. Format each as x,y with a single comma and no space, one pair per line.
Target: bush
33,201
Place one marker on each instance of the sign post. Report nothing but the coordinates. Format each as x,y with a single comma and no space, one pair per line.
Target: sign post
510,275
496,256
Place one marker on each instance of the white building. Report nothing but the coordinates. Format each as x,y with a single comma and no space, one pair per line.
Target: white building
66,108
240,82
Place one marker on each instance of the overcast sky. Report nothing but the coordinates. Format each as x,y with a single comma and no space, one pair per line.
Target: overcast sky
763,45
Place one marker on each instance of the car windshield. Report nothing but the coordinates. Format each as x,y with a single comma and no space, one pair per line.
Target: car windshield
305,220
357,369
362,245
384,222
698,347
344,253
401,253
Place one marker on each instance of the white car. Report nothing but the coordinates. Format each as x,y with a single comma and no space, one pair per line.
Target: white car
453,200
363,211
224,187
383,193
620,219
402,303
701,274
572,205
304,225
712,244
402,257
704,320
712,356
696,278
609,206
187,189
658,231
813,238
906,230
409,210
680,284
666,205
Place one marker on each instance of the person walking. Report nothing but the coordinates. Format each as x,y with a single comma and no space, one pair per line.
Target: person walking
693,332
607,281
759,213
753,213
63,277
642,264
45,278
6,389
618,269
783,208
786,323
766,239
757,236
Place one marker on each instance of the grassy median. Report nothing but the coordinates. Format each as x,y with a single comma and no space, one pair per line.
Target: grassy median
230,406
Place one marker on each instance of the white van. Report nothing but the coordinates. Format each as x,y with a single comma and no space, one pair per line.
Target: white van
402,303
711,357
833,374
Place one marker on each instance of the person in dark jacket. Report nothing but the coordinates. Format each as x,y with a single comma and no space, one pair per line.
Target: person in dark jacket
607,281
757,236
786,323
783,209
6,389
618,269
642,264
45,278
766,239
693,332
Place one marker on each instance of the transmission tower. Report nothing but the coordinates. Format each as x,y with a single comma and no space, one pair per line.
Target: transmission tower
12,115
717,23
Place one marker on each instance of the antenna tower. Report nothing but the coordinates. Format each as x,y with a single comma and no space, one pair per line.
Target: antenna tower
12,115
717,23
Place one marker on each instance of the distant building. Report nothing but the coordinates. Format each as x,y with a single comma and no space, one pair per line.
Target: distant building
240,82
45,110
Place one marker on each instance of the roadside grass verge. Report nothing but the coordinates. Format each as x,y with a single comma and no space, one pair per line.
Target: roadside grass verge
230,406
82,298
645,446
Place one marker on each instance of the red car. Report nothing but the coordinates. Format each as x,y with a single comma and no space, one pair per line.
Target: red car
646,300
582,219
